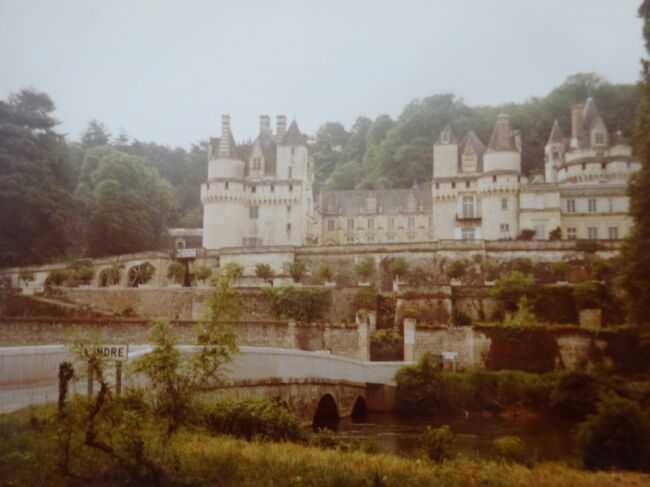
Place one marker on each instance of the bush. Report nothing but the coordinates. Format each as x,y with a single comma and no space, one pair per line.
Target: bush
325,272
324,438
85,274
461,319
298,303
524,315
114,274
264,272
398,268
203,273
511,449
523,265
176,272
456,269
511,287
618,436
26,276
555,234
602,269
252,417
56,277
365,299
590,294
560,270
296,270
365,269
386,345
555,304
232,271
437,443
147,270
526,234
575,394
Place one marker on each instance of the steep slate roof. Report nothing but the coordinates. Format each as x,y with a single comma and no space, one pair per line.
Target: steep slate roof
293,135
556,136
502,138
267,144
471,139
227,148
391,201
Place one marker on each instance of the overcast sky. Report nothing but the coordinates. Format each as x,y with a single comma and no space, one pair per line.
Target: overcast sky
164,70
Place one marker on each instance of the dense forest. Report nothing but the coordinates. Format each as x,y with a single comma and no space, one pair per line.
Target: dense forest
107,195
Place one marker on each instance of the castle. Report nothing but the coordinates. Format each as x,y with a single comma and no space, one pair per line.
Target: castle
263,194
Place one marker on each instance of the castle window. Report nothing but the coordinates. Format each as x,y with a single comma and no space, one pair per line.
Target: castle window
350,240
253,189
272,189
505,228
330,225
468,207
603,165
256,163
556,154
453,185
613,233
592,233
371,238
504,203
519,179
391,223
584,166
571,233
467,184
350,224
592,206
289,229
227,184
570,206
291,187
253,212
207,185
610,202
371,223
411,223
600,138
437,185
468,233
494,179
288,209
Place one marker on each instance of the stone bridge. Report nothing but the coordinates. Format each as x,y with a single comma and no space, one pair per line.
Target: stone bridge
316,386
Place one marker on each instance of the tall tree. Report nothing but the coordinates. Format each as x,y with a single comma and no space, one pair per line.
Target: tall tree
35,181
96,134
636,248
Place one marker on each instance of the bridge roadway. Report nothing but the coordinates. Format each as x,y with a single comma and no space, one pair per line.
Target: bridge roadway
312,384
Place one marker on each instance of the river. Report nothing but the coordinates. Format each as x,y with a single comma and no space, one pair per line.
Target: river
546,438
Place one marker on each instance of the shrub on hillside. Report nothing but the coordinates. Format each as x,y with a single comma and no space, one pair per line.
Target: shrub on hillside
325,272
264,272
252,417
617,435
510,448
176,272
386,345
456,269
523,265
365,299
526,234
203,273
560,270
555,304
299,303
365,269
575,395
398,268
511,287
437,443
296,270
56,277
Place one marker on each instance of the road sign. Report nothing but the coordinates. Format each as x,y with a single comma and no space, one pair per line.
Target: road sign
117,353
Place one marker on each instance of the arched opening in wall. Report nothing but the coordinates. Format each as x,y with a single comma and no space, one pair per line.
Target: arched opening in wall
134,276
103,278
359,410
327,413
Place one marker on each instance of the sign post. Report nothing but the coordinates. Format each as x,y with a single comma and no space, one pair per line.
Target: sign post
115,353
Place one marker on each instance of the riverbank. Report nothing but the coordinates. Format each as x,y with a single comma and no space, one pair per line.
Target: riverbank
31,453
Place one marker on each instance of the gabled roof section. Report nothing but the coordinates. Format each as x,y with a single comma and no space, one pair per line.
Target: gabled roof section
446,136
266,142
589,113
475,143
293,135
556,136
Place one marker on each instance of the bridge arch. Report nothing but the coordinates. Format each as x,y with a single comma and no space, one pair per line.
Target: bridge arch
360,409
327,410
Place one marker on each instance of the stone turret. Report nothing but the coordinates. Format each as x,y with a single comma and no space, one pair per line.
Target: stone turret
280,128
554,153
227,142
503,152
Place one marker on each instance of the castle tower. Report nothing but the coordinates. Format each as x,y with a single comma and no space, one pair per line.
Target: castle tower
504,149
553,153
445,155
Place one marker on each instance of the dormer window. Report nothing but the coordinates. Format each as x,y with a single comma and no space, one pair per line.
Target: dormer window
257,163
599,138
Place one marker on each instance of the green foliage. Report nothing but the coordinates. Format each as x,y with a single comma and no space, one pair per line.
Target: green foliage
555,304
604,269
635,252
176,272
398,268
265,272
555,234
424,389
146,271
617,435
296,270
85,274
456,269
325,272
560,270
590,294
26,276
523,265
203,273
575,395
324,438
526,234
346,176
114,274
252,418
438,443
365,299
299,303
365,268
511,287
510,449
524,315
56,277
386,345
232,271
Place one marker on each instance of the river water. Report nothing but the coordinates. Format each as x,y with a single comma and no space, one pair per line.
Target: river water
546,438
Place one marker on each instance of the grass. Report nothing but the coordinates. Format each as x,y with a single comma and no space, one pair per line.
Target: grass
30,453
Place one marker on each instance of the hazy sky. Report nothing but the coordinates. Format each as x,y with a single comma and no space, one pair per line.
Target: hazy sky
165,70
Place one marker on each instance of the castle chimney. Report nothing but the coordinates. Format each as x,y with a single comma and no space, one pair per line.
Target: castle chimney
281,127
224,142
576,124
265,124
